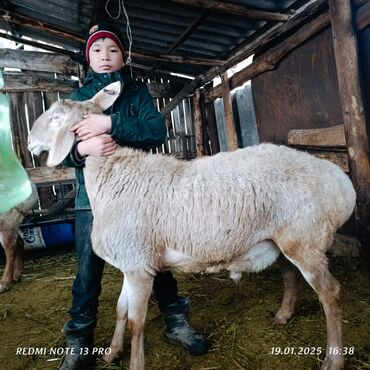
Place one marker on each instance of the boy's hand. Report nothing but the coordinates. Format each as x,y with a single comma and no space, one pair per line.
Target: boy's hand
97,146
92,125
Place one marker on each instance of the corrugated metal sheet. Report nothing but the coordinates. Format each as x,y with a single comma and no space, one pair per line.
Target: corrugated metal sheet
156,25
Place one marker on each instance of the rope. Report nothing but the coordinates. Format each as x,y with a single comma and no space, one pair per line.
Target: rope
121,6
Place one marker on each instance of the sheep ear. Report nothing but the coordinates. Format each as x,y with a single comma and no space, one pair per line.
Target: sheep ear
107,96
61,146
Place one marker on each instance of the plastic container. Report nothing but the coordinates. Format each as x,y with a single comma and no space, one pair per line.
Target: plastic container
47,236
14,184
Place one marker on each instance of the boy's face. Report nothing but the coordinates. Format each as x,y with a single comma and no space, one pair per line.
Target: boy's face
105,56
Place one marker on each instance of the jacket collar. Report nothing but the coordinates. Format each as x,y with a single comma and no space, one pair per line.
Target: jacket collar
103,79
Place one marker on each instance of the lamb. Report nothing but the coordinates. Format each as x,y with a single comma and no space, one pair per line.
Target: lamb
237,211
11,240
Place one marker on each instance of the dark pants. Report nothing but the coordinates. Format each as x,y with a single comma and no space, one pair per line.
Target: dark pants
87,285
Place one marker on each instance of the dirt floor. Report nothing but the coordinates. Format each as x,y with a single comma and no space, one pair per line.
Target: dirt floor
238,319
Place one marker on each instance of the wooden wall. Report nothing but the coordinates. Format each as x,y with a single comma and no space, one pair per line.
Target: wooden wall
302,92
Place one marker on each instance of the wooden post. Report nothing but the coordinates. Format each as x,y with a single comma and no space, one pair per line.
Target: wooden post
232,141
198,123
213,146
346,58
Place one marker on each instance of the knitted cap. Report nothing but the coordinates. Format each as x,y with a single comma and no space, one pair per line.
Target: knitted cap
102,30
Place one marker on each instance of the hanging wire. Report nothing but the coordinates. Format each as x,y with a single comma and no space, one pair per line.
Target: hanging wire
121,5
119,10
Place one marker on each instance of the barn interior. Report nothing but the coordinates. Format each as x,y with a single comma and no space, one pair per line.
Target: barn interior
224,75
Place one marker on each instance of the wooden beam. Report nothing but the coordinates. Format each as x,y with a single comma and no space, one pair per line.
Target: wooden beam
185,35
38,61
358,3
269,60
302,14
189,30
241,10
185,91
362,16
20,82
62,204
198,123
49,176
42,46
176,59
347,63
163,90
15,18
232,140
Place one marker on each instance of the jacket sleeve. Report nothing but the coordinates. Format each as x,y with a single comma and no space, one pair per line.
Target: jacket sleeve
144,129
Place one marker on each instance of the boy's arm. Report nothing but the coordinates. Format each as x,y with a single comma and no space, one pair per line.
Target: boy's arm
145,129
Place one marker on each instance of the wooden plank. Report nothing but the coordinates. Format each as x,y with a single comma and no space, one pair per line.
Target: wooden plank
211,127
38,61
238,9
327,137
34,106
51,175
20,82
232,140
346,58
19,127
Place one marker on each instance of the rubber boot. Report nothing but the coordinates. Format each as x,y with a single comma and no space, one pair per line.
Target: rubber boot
80,342
178,329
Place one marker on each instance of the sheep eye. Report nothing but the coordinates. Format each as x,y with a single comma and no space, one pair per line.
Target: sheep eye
55,116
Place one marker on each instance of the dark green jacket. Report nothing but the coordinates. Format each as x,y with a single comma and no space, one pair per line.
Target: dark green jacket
135,120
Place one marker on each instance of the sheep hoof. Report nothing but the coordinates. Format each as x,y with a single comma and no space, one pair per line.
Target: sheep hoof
4,287
111,357
282,317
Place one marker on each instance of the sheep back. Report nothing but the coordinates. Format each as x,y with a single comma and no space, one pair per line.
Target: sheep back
212,209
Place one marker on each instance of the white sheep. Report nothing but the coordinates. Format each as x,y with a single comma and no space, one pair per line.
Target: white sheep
12,241
237,211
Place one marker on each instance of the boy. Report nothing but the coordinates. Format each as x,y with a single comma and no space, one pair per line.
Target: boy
131,121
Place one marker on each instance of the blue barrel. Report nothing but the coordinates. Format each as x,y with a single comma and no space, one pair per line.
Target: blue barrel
56,235
47,236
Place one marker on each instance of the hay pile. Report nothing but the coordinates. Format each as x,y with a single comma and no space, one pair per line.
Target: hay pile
238,319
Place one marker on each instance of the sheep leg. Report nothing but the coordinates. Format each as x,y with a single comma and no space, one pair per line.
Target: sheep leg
132,305
316,273
141,288
19,259
291,277
8,240
116,345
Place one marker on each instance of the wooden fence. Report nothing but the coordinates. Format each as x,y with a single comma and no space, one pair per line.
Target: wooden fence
31,92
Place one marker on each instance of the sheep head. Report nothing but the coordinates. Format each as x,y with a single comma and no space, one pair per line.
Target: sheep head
51,131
